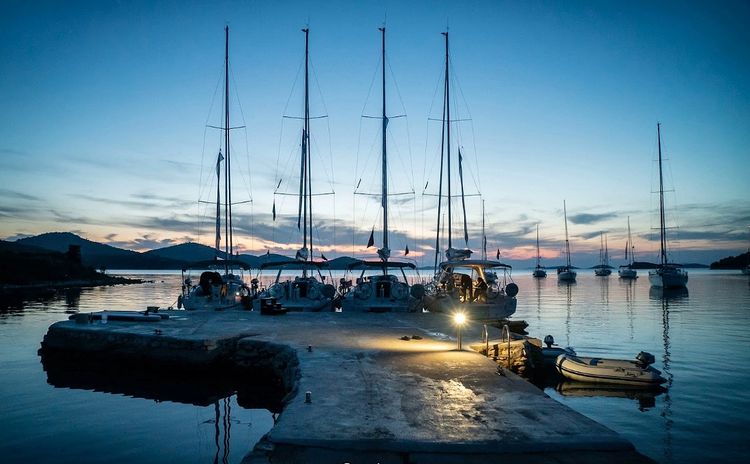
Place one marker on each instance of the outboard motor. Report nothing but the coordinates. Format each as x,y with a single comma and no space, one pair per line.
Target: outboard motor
645,359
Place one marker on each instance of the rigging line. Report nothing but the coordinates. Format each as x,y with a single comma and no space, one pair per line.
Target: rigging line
381,117
205,130
426,142
403,106
303,118
452,120
247,143
400,158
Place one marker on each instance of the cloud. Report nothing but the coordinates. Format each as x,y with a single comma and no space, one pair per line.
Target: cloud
7,193
588,218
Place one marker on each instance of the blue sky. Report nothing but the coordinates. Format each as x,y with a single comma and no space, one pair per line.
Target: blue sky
103,107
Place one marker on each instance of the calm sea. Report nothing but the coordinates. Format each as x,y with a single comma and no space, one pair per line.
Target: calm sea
700,338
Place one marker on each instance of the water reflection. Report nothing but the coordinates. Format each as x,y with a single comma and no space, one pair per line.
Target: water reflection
664,297
16,301
645,398
65,370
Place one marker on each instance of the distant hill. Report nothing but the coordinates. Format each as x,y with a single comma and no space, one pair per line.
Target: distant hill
732,262
184,252
98,255
24,265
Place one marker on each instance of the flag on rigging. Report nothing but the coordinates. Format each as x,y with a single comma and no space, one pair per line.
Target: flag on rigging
406,252
273,211
371,240
218,163
498,253
323,257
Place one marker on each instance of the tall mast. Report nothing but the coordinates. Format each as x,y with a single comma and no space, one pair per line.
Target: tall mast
305,182
630,243
447,124
227,164
217,243
384,181
440,183
567,243
662,225
484,235
537,246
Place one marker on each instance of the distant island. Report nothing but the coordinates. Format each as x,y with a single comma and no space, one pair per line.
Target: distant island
27,266
732,262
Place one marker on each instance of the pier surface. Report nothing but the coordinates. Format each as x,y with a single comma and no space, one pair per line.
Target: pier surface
375,396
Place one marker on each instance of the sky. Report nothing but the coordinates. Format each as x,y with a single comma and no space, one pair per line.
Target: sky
104,108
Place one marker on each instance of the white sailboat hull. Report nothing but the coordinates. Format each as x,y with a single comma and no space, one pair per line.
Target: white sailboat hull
567,276
668,278
626,273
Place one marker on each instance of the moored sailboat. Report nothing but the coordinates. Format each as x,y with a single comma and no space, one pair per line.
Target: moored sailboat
603,270
217,290
566,273
383,291
666,275
539,271
460,283
626,271
305,292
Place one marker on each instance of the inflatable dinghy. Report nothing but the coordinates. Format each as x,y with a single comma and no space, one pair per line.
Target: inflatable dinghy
610,371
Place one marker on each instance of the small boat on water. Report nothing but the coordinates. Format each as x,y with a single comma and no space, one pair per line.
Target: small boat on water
611,371
603,270
539,271
666,275
626,271
566,273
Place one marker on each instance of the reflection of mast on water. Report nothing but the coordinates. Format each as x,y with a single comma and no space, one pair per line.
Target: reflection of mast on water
538,300
630,303
223,432
569,302
667,371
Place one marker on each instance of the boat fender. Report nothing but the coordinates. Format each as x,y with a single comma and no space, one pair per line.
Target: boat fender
179,301
511,289
645,359
363,291
417,291
399,291
329,291
313,292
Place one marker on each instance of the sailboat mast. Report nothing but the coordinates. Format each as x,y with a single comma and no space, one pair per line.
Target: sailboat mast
304,213
484,235
217,242
630,244
662,225
384,181
227,182
538,257
447,125
567,242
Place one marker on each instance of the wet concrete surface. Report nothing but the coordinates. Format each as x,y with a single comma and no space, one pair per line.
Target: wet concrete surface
375,397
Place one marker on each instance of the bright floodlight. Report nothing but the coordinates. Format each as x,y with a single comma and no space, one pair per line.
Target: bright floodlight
459,318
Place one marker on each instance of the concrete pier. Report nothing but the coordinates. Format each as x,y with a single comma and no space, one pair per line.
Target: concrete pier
382,387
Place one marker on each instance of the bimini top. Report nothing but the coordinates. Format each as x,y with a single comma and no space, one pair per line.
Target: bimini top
474,263
217,263
382,264
294,264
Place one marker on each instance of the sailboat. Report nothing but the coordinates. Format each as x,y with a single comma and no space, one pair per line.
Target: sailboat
305,292
461,283
626,271
566,273
216,290
383,291
538,270
603,270
666,275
